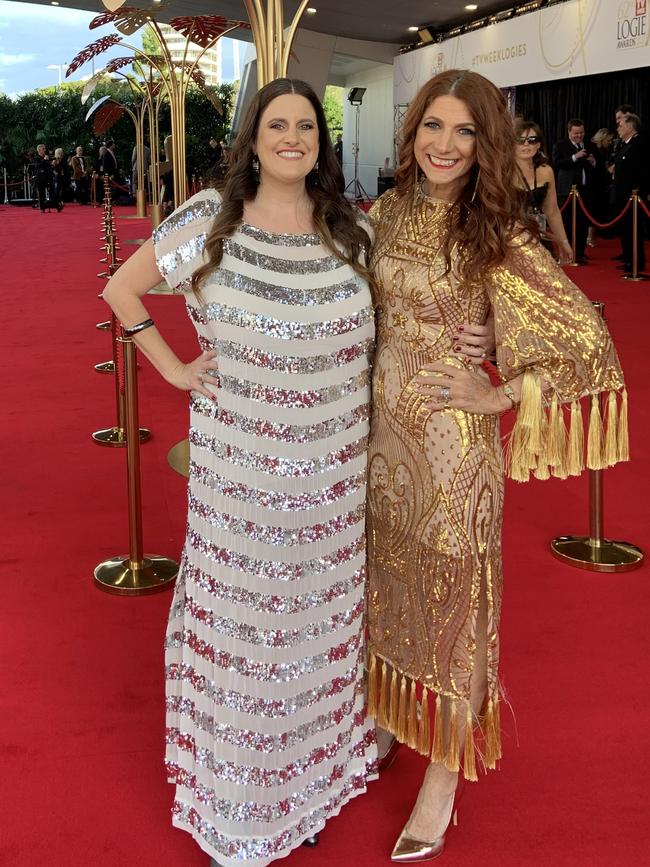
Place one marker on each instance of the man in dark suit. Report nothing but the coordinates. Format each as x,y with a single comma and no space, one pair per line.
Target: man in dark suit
574,162
109,160
631,172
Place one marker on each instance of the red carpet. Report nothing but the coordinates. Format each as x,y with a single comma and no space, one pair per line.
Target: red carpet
82,698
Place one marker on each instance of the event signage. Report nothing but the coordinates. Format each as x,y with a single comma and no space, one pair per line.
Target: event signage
579,37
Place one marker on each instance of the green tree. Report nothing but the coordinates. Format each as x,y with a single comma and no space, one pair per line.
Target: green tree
333,106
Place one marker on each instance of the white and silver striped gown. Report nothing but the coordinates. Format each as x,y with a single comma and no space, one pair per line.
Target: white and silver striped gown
267,734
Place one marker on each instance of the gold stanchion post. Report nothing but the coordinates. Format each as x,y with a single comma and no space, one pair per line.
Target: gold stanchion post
635,277
137,573
594,552
574,224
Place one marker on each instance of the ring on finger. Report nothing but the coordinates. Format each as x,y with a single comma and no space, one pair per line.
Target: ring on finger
483,354
445,394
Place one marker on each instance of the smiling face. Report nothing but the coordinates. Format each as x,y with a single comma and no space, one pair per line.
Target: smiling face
445,146
287,142
577,134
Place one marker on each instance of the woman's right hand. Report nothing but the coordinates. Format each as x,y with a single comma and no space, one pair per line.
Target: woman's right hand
565,251
196,375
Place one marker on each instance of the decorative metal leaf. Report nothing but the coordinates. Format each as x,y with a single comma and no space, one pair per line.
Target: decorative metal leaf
127,19
90,85
113,5
118,63
107,116
106,111
203,29
92,50
198,76
216,102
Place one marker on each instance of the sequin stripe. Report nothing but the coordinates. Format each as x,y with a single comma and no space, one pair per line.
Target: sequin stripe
308,240
276,500
266,637
181,255
274,570
267,602
250,739
269,846
272,465
269,708
269,535
225,278
281,266
192,211
266,778
282,329
290,398
286,433
273,672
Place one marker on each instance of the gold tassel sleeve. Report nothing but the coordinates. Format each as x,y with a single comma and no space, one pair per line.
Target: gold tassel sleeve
547,330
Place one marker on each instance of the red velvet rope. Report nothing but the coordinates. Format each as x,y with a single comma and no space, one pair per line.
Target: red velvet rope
644,207
566,203
119,186
14,183
611,222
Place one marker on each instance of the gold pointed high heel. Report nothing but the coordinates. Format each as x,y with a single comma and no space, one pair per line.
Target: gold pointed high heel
409,850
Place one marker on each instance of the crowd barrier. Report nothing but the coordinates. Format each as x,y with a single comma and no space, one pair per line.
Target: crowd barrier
575,200
136,573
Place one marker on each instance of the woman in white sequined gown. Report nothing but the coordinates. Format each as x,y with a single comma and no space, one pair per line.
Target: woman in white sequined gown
267,734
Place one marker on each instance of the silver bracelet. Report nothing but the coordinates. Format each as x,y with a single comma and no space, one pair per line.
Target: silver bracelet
134,329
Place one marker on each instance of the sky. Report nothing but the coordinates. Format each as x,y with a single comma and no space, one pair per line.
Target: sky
33,37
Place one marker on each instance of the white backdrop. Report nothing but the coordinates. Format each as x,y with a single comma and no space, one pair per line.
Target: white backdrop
576,38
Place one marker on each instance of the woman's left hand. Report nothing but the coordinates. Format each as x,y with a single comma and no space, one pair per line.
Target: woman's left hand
475,342
458,388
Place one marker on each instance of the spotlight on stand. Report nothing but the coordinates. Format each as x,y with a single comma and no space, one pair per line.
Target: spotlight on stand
355,96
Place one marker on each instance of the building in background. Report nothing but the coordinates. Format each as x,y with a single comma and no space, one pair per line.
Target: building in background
217,64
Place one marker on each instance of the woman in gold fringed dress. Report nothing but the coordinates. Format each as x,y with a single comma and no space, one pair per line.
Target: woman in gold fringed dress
451,245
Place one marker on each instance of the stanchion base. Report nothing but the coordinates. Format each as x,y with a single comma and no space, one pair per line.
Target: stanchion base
116,436
178,458
117,575
636,279
603,556
104,326
106,366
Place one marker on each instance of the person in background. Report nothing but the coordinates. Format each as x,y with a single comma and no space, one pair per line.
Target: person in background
134,168
108,160
61,174
338,148
575,161
43,178
631,172
81,172
535,176
602,181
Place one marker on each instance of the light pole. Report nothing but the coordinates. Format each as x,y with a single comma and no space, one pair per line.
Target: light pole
60,67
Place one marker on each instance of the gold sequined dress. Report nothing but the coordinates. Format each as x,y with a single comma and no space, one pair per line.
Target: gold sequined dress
435,484
267,731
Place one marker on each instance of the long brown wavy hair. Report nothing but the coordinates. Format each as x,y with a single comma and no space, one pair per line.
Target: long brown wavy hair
336,220
488,211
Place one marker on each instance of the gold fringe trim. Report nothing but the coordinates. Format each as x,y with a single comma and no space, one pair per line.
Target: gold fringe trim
393,704
452,759
382,712
438,749
595,436
492,734
469,754
402,726
412,718
372,685
540,443
424,729
610,454
623,437
393,694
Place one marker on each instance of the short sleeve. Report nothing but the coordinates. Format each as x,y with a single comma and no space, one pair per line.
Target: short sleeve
179,241
549,331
